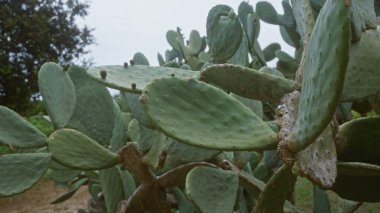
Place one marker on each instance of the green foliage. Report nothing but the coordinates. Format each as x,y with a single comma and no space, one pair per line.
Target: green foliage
40,122
32,33
231,137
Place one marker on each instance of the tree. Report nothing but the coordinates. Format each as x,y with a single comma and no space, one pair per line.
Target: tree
33,32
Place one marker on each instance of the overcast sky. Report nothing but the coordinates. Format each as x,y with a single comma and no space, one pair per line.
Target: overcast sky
124,27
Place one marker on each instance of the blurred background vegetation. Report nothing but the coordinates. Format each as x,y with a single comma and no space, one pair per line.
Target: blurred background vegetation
31,33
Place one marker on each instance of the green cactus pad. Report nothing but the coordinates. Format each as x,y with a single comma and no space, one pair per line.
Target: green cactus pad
161,60
224,33
317,4
122,78
63,176
358,140
262,171
324,70
363,76
358,169
180,153
273,197
212,190
184,205
77,151
252,29
16,131
250,21
128,182
304,16
153,157
348,206
357,22
270,51
19,172
267,12
112,186
58,93
94,111
135,108
119,131
287,19
175,40
241,55
177,177
140,59
358,182
318,161
200,115
133,131
248,83
255,106
195,42
291,37
367,11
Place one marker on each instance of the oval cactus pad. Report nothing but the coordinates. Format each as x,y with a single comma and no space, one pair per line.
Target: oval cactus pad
135,78
248,83
212,190
58,93
324,70
16,131
19,172
77,151
201,115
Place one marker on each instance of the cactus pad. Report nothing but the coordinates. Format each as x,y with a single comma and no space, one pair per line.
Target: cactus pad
358,169
77,151
367,12
58,93
200,115
94,113
358,182
180,153
358,140
324,70
112,186
140,59
212,190
16,131
363,72
195,42
267,12
224,33
21,171
121,78
275,193
248,83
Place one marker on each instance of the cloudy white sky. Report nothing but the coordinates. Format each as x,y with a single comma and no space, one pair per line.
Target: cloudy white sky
123,27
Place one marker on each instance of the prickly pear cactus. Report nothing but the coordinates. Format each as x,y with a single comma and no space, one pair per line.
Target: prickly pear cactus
214,128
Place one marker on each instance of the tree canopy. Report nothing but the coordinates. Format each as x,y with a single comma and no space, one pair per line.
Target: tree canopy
33,32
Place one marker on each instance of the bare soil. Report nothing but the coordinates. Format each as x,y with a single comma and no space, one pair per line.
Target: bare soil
37,199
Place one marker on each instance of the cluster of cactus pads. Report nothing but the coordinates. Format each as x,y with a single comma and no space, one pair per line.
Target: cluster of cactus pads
213,129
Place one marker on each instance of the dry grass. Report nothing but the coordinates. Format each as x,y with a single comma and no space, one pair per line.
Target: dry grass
37,199
304,199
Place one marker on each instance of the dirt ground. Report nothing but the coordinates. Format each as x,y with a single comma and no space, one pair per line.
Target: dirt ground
37,199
